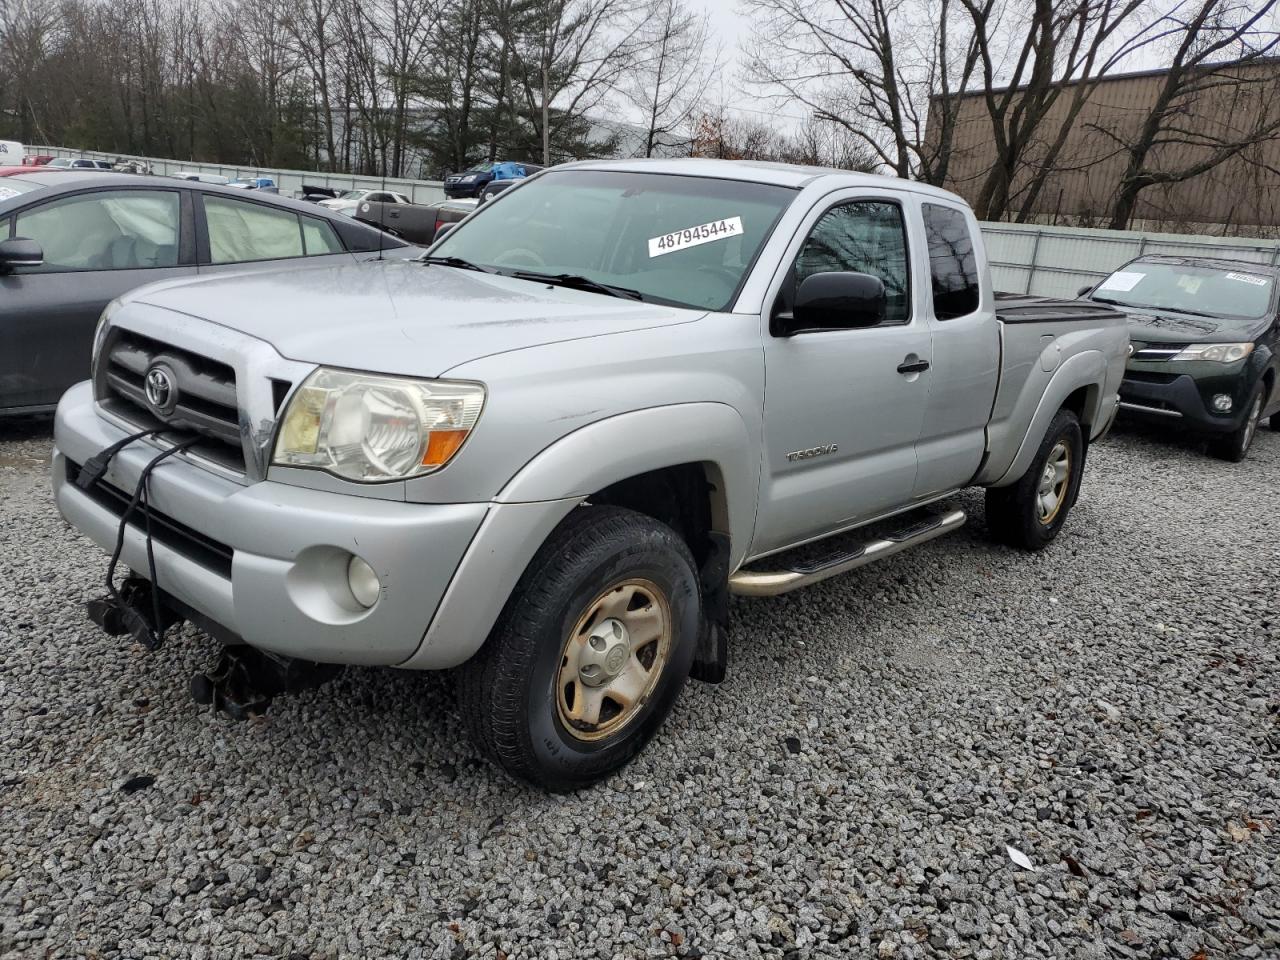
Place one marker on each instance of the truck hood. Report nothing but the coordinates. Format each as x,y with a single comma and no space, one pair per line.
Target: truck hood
1168,327
402,317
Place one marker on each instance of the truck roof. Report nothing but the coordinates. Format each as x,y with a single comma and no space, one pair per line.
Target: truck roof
761,171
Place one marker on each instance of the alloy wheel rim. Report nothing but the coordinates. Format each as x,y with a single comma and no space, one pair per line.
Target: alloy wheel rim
612,659
1051,492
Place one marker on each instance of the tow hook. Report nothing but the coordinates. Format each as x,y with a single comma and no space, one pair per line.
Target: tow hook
245,680
133,613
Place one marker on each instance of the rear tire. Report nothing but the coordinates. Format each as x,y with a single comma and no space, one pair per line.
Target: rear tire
549,697
1234,447
1029,513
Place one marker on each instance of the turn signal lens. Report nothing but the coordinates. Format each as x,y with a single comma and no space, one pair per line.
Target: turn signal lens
441,446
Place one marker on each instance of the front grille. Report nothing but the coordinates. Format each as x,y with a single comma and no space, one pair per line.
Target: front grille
177,536
1145,376
205,388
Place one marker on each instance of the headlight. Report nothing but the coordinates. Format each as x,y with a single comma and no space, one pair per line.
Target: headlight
469,178
369,428
1216,352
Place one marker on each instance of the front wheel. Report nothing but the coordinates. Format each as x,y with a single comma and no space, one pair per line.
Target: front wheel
1234,447
590,652
1030,512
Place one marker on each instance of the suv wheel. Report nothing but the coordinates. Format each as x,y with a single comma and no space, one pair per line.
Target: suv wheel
1234,447
590,652
1030,512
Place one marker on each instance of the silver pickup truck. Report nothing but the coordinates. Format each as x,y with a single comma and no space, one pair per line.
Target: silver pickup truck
547,453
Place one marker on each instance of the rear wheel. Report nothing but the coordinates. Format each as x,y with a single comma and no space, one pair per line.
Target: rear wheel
590,652
1029,513
1234,447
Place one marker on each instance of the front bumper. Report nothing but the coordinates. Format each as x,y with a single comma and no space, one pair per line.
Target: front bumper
1180,400
267,561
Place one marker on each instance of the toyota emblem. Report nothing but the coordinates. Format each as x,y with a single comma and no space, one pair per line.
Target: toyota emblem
162,395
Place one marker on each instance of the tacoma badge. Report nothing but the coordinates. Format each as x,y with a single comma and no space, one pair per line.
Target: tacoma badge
812,452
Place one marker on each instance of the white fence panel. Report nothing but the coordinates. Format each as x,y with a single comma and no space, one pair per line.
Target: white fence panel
1058,261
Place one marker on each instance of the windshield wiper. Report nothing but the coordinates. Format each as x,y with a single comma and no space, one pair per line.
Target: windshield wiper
576,281
457,262
1114,303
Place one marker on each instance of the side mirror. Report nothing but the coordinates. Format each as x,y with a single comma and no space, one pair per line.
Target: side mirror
1087,288
442,230
19,252
834,301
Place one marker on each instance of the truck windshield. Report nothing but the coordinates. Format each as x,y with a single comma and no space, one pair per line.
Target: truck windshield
1201,290
681,240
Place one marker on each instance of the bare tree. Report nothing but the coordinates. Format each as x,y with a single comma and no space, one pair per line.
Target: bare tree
1234,108
884,70
674,68
568,56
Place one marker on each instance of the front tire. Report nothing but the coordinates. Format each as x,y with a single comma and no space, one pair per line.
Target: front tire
1234,447
590,652
1029,513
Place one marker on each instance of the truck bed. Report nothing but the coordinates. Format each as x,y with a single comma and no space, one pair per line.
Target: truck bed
1038,336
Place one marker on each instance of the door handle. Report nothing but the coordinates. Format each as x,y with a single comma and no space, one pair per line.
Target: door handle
913,366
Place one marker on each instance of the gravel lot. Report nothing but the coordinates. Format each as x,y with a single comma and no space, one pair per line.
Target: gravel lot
1110,708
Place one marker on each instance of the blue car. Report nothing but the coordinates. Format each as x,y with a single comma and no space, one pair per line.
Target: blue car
265,184
470,182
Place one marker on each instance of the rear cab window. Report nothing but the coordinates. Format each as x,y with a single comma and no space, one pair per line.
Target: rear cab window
953,268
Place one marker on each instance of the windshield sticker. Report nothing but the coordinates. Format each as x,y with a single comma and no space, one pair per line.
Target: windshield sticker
1189,283
695,236
1122,280
7,192
1248,278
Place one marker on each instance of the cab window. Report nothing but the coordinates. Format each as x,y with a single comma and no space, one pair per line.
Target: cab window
952,267
864,236
105,230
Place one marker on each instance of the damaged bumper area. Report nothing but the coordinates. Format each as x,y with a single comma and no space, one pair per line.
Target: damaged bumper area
266,563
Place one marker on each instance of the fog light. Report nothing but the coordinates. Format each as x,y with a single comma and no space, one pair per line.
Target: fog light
363,582
1222,402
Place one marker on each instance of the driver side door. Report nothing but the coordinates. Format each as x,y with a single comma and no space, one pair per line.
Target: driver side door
844,408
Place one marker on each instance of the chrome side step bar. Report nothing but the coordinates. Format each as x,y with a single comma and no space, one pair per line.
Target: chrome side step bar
770,583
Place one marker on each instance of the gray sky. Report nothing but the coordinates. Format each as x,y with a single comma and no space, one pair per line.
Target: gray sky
732,30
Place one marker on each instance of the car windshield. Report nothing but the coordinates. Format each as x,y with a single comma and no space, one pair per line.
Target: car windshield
674,239
352,194
1228,292
481,167
14,186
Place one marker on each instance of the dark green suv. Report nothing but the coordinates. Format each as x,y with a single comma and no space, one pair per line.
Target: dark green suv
1204,338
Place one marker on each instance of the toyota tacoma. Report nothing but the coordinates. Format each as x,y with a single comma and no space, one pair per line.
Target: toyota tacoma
548,452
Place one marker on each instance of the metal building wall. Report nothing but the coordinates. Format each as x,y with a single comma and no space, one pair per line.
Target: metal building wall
1243,190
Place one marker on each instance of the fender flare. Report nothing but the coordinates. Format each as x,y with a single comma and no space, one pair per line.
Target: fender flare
1086,369
715,434
557,480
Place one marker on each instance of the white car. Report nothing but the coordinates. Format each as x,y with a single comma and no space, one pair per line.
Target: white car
350,201
73,163
201,177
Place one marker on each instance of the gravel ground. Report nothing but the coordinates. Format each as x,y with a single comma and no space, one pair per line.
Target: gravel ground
1108,708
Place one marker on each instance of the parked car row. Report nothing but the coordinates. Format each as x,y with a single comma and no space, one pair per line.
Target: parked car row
75,240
